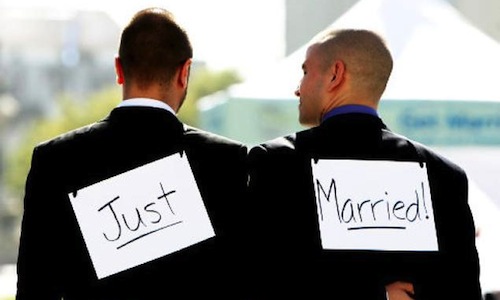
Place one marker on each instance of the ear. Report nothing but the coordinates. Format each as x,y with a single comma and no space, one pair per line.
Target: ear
184,73
337,72
119,71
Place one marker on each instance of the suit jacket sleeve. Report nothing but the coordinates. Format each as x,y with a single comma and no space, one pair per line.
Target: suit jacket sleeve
459,278
36,265
259,242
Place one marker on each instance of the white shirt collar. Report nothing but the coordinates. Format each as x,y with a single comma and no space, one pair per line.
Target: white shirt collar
147,102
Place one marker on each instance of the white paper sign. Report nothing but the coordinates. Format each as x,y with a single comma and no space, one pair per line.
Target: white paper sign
374,205
141,215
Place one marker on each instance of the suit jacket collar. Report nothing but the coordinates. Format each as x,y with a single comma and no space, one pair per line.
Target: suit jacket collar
354,121
342,135
145,117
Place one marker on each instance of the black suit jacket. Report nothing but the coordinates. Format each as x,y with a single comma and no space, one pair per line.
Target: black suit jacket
284,226
53,259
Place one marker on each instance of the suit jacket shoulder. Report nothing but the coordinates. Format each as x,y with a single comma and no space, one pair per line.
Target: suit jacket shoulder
209,137
425,151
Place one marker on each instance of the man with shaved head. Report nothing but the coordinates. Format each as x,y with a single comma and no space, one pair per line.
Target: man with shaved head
347,209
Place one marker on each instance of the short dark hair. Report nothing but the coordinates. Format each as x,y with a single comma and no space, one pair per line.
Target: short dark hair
152,47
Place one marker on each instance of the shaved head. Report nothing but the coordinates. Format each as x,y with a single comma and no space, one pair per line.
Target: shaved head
364,53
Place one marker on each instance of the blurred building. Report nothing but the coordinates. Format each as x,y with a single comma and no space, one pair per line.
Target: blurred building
483,14
304,19
47,52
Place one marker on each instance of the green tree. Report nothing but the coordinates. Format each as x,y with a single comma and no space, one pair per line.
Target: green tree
204,82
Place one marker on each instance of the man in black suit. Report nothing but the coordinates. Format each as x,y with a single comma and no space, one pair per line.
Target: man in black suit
100,223
348,209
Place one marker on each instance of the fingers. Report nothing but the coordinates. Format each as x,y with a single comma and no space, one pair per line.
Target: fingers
400,290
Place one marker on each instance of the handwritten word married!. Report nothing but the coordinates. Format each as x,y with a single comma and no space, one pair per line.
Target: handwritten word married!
380,210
